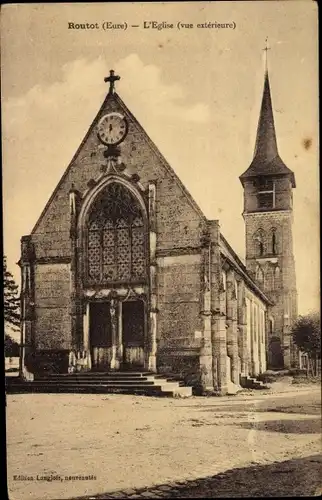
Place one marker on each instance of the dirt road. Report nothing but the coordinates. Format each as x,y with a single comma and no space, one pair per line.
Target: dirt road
141,447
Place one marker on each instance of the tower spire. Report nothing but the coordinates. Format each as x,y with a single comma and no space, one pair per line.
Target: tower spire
266,160
266,144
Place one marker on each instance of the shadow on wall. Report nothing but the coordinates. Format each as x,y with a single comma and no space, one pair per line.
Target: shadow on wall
299,477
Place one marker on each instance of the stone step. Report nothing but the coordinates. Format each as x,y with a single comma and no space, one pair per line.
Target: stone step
105,379
109,383
94,380
144,389
252,383
100,377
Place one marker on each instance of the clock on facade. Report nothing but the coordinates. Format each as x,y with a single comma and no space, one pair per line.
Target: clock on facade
112,129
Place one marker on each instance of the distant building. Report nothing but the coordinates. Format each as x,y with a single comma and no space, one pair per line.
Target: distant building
124,271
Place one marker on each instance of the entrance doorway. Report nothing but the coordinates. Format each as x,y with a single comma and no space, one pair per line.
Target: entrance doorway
100,335
275,360
133,328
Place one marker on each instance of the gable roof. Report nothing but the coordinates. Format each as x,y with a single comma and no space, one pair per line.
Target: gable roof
114,96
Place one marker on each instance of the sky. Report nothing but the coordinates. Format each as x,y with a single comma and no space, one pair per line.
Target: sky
196,91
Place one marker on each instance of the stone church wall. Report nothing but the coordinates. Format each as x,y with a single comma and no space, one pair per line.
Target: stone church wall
179,299
179,321
52,298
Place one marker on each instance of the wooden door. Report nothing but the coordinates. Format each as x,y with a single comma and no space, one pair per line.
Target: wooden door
133,326
100,335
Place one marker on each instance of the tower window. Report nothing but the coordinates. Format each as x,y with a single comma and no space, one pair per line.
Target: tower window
259,274
270,278
265,200
266,193
259,238
266,185
274,242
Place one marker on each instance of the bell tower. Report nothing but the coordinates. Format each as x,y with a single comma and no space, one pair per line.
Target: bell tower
268,214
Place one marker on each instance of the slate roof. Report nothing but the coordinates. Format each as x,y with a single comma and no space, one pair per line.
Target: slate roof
266,161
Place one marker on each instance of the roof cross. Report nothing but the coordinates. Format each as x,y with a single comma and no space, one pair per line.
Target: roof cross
266,50
111,79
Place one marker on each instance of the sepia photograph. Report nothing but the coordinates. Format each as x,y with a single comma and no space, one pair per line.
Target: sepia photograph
160,167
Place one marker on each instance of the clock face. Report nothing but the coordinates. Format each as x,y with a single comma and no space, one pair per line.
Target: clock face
112,128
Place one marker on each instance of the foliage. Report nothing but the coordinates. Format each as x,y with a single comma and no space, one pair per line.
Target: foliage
11,298
306,333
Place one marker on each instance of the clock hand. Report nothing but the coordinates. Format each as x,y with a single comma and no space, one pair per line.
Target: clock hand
110,127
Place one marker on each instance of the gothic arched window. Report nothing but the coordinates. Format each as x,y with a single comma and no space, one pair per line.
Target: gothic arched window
274,241
277,273
270,277
116,237
259,274
259,241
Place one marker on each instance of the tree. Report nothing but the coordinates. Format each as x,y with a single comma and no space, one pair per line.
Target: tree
306,333
11,299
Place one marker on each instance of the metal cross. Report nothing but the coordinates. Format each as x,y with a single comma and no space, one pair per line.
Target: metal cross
111,79
266,49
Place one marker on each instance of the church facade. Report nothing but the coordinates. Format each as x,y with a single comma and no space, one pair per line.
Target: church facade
123,270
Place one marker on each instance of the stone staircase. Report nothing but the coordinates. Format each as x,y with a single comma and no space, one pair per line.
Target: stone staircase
144,383
248,382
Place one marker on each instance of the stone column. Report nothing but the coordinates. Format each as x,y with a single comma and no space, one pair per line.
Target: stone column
260,336
252,335
232,340
76,343
86,339
115,363
119,343
151,348
242,328
218,313
220,343
27,308
205,359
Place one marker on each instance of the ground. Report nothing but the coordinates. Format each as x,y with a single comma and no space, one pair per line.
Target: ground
251,444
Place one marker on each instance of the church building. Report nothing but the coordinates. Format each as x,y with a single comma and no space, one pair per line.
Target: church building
123,271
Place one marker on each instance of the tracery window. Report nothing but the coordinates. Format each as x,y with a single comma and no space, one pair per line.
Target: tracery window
116,237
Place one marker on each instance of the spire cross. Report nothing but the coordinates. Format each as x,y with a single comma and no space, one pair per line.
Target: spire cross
111,79
266,50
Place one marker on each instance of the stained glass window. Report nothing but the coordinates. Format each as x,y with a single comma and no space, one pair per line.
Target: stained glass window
116,237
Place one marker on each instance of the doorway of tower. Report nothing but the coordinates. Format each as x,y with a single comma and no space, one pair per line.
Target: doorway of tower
100,327
275,354
133,329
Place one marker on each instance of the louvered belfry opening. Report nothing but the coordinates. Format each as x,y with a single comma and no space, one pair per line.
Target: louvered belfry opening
116,249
